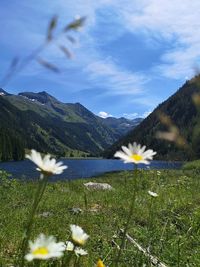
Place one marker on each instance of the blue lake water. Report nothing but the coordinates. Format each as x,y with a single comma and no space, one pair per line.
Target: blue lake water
80,168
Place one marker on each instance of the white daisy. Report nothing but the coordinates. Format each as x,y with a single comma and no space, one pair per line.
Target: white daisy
44,248
80,252
153,194
46,165
69,246
135,153
78,235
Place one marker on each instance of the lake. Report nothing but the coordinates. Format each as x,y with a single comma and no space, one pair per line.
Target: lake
81,168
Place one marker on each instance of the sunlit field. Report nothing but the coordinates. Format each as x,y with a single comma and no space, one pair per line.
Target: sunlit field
85,85
167,225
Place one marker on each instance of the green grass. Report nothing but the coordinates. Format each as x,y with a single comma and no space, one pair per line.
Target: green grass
192,165
169,224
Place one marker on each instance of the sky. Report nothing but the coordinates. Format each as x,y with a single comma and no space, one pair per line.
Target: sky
128,57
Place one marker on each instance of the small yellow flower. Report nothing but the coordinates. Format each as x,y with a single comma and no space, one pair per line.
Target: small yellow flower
100,263
135,153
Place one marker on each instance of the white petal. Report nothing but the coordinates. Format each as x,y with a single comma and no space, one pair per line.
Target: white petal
29,257
122,155
126,150
46,164
69,246
79,251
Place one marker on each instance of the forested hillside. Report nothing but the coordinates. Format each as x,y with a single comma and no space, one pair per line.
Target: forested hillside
50,126
181,110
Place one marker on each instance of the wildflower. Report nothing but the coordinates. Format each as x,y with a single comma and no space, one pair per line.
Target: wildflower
100,263
158,173
46,165
153,194
80,252
135,153
44,248
78,235
69,246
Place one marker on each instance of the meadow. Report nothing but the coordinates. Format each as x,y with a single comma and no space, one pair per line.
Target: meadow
166,226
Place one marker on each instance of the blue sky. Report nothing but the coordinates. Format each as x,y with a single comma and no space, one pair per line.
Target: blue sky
129,56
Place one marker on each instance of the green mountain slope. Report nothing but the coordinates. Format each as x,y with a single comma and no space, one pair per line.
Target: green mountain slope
121,125
181,110
48,125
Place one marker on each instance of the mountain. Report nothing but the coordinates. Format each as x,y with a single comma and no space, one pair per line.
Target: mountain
11,142
48,125
183,114
2,92
121,126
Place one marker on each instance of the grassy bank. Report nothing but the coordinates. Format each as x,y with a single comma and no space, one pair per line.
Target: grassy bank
168,224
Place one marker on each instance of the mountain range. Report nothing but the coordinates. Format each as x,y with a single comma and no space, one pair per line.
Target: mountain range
65,129
172,129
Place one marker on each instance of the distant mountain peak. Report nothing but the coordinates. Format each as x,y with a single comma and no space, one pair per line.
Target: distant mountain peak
3,92
42,97
121,125
44,93
79,104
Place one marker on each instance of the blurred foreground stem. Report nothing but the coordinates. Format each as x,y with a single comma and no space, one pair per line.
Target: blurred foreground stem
131,209
38,196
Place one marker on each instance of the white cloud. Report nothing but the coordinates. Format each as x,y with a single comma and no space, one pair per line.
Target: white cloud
174,21
117,81
104,114
131,116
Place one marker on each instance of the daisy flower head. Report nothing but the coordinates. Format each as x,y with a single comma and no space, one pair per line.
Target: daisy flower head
44,248
78,235
152,194
69,246
135,153
46,165
80,252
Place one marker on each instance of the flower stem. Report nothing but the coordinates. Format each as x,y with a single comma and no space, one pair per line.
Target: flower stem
38,196
131,209
67,260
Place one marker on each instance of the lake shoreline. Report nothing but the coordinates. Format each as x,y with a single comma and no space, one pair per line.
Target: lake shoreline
82,168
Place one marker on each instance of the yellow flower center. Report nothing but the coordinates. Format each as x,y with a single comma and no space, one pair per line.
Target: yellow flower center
136,157
79,242
100,263
40,251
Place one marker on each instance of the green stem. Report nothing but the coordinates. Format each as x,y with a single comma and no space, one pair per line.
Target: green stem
67,259
38,196
178,256
86,204
150,215
128,219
